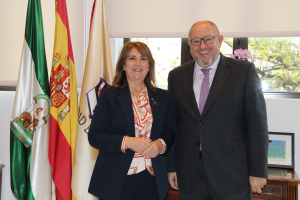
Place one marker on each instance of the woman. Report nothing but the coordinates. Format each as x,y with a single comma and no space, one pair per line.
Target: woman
132,127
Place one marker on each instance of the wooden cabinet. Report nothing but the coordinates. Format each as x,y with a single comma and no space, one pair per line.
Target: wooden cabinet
282,184
172,194
1,167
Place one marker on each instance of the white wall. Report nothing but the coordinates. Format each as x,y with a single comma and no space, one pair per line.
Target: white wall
12,23
284,116
7,101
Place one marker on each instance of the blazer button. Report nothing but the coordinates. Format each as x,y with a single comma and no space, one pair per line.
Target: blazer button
198,143
200,123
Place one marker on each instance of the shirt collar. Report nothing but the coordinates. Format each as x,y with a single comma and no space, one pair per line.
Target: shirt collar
213,66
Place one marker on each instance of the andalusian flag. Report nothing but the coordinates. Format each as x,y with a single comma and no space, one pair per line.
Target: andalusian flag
98,75
29,126
64,106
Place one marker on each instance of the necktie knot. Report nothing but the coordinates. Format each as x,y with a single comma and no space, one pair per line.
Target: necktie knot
205,71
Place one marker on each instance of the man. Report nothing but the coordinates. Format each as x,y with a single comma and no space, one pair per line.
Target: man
221,124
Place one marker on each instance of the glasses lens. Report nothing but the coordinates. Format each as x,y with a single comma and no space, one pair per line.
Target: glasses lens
196,42
209,40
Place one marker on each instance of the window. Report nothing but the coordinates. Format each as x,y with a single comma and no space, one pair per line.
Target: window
227,46
278,62
277,59
167,55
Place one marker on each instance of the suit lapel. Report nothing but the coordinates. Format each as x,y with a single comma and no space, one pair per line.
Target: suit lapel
154,104
189,87
124,99
223,70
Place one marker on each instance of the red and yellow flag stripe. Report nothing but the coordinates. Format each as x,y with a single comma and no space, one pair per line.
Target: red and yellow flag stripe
64,106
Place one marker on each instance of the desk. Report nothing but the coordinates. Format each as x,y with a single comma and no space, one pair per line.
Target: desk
282,185
1,167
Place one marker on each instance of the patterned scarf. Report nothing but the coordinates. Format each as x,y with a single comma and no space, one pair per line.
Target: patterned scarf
143,123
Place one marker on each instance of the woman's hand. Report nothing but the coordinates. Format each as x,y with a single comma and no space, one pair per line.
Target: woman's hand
138,145
155,148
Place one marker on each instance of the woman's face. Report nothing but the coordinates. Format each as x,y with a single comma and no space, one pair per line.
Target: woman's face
136,67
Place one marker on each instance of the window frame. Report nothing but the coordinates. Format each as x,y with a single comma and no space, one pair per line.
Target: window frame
243,44
7,88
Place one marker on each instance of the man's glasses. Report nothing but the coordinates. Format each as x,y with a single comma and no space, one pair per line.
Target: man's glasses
206,40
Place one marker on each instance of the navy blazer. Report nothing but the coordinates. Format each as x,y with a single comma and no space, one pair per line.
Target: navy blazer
113,119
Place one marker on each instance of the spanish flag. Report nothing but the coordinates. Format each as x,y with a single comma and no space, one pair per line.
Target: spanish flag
64,106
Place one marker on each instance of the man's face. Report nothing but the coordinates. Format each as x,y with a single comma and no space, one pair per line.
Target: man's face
205,54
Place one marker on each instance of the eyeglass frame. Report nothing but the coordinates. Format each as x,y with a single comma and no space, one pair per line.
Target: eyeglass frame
204,40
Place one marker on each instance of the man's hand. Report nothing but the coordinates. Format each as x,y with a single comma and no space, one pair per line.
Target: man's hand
154,149
257,184
172,177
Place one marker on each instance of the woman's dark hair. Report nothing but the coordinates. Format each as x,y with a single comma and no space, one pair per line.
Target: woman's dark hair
120,79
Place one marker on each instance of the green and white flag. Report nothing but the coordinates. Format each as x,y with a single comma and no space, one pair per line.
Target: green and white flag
29,125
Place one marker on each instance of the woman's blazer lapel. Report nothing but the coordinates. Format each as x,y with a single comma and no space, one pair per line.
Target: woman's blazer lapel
155,104
124,99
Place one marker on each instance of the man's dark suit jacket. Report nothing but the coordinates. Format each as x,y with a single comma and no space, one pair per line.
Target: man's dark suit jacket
232,129
113,119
